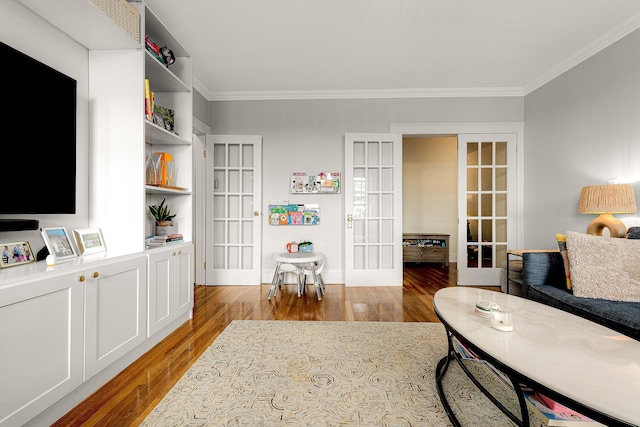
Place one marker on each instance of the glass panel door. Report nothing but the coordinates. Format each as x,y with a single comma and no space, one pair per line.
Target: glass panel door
233,210
487,172
373,203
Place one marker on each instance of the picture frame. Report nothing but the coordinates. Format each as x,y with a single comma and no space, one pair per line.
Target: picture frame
15,253
58,242
167,114
159,120
90,241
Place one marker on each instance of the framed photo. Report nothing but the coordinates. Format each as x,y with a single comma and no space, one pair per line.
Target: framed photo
159,120
90,240
58,242
16,253
167,115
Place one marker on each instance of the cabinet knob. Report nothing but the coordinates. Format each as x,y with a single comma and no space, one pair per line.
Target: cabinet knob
173,254
256,213
95,274
80,279
179,252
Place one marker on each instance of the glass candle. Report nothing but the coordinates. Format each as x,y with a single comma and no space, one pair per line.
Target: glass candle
501,318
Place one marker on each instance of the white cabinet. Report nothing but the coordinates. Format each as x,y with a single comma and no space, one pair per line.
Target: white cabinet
41,345
120,136
116,312
170,288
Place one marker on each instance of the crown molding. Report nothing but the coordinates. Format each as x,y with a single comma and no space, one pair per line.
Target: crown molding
621,31
365,94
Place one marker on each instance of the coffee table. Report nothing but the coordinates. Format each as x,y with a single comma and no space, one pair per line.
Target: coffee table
581,364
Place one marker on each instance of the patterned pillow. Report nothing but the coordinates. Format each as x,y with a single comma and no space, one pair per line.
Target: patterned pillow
562,245
604,268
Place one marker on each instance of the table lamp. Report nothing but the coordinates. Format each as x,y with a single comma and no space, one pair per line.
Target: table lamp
606,200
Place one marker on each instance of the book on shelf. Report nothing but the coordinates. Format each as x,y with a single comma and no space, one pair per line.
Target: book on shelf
148,108
168,238
539,406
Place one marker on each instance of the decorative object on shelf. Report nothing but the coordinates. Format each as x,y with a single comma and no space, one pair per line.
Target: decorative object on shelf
606,200
294,214
16,253
90,240
153,164
164,218
58,243
167,115
167,56
324,182
51,260
165,170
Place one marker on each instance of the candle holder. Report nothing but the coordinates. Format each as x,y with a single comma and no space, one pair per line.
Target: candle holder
501,318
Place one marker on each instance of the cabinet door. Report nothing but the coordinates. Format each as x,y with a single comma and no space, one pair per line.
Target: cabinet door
40,345
116,314
160,291
183,275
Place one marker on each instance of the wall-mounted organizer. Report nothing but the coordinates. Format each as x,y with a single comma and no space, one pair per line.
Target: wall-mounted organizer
294,214
323,182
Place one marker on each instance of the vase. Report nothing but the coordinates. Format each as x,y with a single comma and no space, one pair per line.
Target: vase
164,228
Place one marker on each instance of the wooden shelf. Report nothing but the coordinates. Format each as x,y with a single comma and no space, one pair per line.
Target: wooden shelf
426,247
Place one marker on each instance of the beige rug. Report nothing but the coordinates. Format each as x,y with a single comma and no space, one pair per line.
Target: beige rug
296,373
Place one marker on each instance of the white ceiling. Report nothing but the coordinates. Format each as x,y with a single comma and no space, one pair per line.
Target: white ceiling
293,49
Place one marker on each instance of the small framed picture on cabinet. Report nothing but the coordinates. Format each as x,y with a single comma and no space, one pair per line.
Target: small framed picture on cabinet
16,253
90,240
58,243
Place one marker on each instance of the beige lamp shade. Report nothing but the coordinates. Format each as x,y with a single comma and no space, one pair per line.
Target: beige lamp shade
607,200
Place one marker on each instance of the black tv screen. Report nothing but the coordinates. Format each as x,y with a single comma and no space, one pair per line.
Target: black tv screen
38,137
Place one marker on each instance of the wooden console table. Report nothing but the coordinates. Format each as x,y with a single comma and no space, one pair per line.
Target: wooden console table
426,247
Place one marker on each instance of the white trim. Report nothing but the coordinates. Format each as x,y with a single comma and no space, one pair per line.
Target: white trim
622,30
483,127
480,92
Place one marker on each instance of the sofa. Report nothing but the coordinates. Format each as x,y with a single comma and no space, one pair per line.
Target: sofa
545,281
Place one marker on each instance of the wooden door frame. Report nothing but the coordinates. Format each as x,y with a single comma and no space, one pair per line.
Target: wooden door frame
449,129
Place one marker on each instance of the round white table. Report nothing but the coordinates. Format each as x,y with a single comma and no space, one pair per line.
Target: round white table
301,260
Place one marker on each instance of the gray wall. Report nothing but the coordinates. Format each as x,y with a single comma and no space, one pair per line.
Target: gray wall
581,129
307,136
200,107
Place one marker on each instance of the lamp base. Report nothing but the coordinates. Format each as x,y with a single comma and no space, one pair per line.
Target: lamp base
607,220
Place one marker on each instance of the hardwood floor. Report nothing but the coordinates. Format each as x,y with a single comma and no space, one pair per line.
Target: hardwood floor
130,396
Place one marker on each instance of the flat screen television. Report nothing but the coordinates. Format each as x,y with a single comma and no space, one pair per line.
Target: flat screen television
38,148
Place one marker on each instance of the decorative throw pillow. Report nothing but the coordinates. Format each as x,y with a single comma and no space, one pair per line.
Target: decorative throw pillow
605,268
562,245
633,233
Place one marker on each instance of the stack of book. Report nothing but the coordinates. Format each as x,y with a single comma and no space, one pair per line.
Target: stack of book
156,241
548,413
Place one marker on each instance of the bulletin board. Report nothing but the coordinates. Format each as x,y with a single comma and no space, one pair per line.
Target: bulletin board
294,214
322,183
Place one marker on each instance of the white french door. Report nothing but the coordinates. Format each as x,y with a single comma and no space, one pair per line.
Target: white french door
233,218
373,209
486,206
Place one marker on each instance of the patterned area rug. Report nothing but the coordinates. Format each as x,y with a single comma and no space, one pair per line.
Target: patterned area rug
297,373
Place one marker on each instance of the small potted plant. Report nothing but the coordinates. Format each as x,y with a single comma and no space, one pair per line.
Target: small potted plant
164,218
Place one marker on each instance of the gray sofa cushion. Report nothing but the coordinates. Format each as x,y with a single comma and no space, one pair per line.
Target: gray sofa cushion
544,282
621,316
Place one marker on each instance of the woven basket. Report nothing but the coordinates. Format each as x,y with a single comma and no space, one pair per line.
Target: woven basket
123,14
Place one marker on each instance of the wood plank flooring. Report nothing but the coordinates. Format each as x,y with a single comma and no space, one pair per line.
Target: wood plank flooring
130,396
